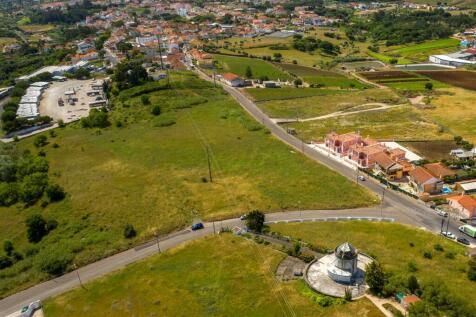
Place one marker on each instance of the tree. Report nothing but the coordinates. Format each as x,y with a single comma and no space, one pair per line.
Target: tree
413,284
55,192
429,86
129,231
123,46
8,194
32,187
5,262
468,146
248,72
96,119
255,220
375,277
40,141
129,74
55,262
36,228
8,247
472,268
458,139
393,61
297,82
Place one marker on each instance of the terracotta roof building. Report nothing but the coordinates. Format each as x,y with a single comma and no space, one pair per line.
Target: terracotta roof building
464,205
424,182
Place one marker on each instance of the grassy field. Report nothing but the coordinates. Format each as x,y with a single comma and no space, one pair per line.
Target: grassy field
235,42
36,28
386,58
263,94
290,55
215,276
456,111
152,173
415,85
400,123
320,105
338,81
395,246
238,65
7,41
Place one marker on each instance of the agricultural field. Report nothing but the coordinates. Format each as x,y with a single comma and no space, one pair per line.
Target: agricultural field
401,80
214,276
455,110
259,68
398,123
262,41
463,79
324,78
357,66
421,51
340,100
432,150
103,172
36,28
399,248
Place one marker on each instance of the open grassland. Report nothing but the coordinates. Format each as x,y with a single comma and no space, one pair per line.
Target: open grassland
259,68
399,123
394,246
4,41
36,28
321,105
387,58
456,111
301,71
463,79
421,51
263,94
152,172
289,55
215,276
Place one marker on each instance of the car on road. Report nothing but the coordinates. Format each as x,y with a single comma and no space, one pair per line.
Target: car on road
30,310
361,178
463,240
441,212
448,234
243,217
197,226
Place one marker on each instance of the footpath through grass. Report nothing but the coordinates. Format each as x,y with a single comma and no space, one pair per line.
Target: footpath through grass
215,276
151,172
399,248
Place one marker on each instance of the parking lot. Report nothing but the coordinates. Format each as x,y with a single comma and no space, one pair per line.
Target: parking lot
68,100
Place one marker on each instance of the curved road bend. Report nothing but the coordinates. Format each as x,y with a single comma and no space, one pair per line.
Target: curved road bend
398,206
70,280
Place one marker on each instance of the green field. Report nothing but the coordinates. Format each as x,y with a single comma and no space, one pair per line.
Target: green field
215,276
394,246
400,123
152,172
325,104
263,94
386,58
339,81
414,85
238,65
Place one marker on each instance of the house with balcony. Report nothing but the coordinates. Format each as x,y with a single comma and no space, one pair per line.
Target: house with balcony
424,182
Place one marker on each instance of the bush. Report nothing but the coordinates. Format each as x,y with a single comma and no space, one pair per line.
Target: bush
96,119
36,228
55,192
54,263
427,255
472,268
40,141
165,120
5,262
8,247
438,247
156,110
412,267
51,225
413,284
129,231
32,187
8,194
145,100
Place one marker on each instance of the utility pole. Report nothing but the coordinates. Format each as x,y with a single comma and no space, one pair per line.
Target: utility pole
162,62
209,166
214,232
448,223
442,223
158,244
381,205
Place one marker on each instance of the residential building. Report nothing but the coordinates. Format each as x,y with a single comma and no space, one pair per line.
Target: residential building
424,182
385,164
439,170
233,80
464,205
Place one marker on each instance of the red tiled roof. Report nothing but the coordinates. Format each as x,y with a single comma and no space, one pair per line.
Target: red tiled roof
230,76
438,170
420,175
468,202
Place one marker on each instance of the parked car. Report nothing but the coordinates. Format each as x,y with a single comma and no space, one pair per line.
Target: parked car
441,212
361,178
448,234
197,226
29,310
463,240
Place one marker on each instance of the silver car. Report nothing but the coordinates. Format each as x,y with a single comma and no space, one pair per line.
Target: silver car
29,310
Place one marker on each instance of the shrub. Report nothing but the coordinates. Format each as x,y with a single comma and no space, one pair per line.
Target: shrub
5,262
54,263
129,231
8,247
29,252
348,295
36,228
156,110
412,267
472,268
32,187
438,247
55,192
96,119
145,100
40,141
306,257
61,123
413,284
51,225
427,255
450,255
8,194
165,120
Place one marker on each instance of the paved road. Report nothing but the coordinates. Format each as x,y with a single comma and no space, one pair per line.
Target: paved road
398,206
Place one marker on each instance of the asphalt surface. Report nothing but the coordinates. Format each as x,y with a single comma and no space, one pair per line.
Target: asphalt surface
401,208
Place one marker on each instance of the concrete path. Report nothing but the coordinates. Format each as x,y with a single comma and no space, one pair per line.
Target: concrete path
379,302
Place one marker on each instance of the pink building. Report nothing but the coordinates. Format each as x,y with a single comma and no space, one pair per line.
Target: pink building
342,143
